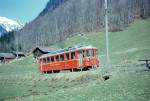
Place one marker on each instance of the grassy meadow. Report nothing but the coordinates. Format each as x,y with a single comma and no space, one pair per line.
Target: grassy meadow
20,80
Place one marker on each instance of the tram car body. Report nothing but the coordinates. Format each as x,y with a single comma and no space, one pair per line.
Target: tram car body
81,58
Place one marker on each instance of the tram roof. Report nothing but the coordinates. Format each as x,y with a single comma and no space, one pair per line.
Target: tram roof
69,49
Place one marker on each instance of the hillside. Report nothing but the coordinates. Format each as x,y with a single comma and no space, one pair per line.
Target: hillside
66,18
21,80
130,44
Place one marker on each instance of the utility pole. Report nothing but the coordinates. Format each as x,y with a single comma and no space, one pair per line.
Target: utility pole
17,42
106,31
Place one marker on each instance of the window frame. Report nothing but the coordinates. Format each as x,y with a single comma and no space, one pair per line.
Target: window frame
88,52
73,55
48,59
62,58
67,57
52,59
57,58
44,60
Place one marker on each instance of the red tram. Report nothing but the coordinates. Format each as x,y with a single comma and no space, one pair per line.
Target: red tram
81,58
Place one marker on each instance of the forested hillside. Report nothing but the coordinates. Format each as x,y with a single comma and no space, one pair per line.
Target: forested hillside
71,17
51,5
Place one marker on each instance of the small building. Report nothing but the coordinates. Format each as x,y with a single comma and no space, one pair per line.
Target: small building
38,51
20,54
6,57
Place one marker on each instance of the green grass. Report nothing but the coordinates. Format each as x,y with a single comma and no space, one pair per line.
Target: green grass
21,80
21,66
127,85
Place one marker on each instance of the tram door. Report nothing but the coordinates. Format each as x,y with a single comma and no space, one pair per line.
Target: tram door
80,55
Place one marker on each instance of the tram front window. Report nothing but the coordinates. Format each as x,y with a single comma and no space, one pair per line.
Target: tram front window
88,53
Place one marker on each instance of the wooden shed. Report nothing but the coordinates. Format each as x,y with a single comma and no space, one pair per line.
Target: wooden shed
38,51
6,57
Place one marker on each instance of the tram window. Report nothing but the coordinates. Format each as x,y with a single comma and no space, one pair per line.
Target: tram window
61,57
44,60
80,53
72,55
40,60
52,59
88,53
48,59
67,56
83,53
57,58
93,51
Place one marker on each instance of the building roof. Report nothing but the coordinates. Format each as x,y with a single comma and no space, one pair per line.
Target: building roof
43,49
19,53
7,55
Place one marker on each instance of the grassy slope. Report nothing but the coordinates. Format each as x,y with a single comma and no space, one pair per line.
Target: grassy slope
21,80
130,44
128,86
